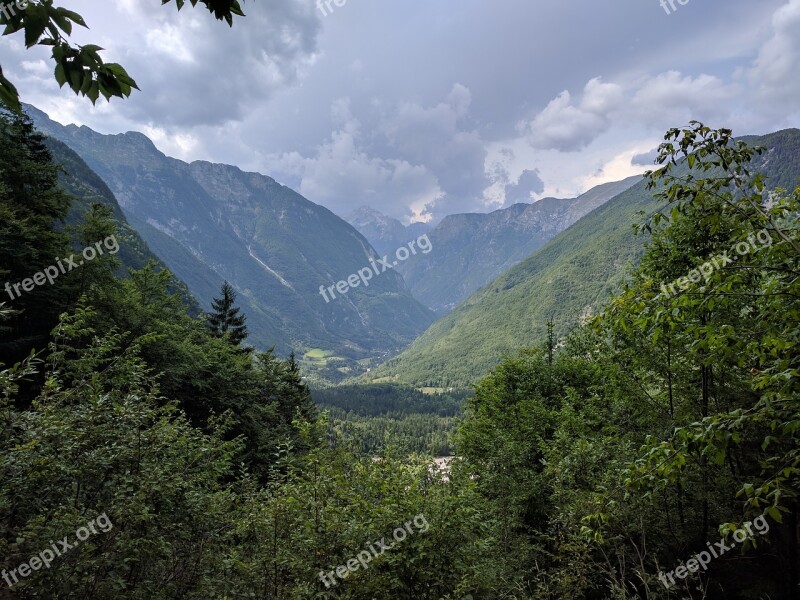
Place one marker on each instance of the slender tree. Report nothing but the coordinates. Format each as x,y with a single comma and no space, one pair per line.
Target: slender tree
297,392
225,320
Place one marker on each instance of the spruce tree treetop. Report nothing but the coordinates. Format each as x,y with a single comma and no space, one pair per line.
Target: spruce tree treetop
225,320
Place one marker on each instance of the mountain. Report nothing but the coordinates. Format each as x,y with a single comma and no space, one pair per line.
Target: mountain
213,222
570,277
472,249
88,188
386,234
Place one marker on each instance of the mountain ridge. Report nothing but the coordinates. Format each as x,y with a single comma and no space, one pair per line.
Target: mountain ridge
474,248
567,279
210,221
385,233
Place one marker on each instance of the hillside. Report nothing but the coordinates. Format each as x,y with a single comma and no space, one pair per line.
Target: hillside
211,222
472,249
571,276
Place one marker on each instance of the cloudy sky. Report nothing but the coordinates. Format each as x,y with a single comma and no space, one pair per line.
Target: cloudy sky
423,108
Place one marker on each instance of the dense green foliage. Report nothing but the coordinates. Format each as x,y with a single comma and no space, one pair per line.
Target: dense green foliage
669,421
382,398
33,209
187,522
400,433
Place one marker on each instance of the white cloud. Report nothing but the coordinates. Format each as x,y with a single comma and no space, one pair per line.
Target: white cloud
569,127
617,168
671,98
775,74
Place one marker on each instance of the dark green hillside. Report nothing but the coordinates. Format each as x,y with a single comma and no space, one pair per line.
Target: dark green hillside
375,417
569,277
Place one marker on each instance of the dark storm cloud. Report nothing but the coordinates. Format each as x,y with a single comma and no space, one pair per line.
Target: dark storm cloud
205,73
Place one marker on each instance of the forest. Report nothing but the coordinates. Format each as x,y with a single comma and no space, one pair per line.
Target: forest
376,417
601,465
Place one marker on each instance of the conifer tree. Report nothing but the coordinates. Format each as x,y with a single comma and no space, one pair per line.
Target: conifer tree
225,320
297,392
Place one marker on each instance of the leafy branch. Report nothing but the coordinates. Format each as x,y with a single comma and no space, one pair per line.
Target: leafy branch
80,67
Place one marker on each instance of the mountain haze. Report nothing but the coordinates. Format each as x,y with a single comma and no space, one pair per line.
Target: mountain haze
472,249
385,233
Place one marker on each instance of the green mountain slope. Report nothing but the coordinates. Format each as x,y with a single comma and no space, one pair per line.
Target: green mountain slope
212,222
571,276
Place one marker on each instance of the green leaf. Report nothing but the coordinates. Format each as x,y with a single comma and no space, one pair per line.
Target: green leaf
9,95
60,75
75,17
36,21
776,515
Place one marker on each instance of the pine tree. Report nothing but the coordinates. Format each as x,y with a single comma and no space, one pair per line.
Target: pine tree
225,320
298,392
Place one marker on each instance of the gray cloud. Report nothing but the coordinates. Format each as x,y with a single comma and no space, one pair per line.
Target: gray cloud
207,74
407,160
343,173
528,183
192,69
645,159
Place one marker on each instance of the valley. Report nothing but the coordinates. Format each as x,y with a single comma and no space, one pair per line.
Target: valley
404,301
